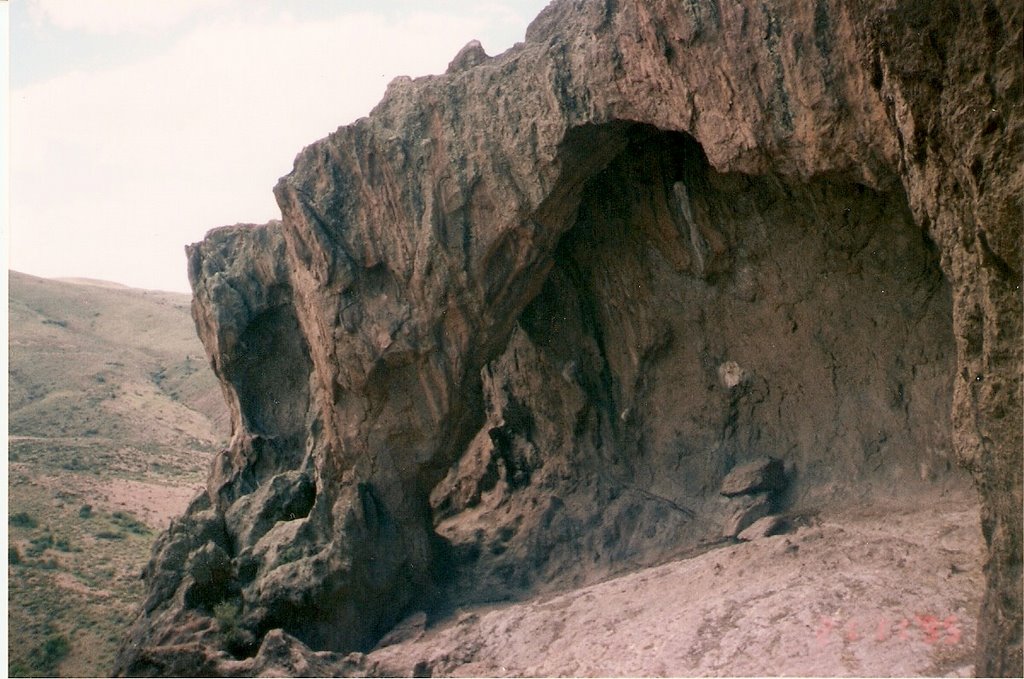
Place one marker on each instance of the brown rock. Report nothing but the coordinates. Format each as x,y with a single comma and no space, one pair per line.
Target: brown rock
762,528
746,512
543,257
410,629
469,56
765,474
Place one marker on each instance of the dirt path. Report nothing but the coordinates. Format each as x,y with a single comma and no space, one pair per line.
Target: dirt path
865,592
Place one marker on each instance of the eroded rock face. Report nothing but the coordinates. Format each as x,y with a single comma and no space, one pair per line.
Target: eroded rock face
517,325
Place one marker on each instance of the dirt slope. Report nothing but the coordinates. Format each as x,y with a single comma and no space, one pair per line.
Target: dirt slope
113,417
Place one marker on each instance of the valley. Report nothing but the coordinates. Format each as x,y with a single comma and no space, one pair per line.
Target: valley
113,418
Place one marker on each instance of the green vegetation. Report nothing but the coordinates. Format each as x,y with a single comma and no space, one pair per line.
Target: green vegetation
71,593
130,523
43,659
79,421
40,544
22,520
227,614
290,553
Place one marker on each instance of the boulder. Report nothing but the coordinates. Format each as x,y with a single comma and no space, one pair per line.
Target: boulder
762,528
751,509
764,474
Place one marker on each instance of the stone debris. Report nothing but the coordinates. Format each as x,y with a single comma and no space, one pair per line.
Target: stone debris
747,513
765,474
762,528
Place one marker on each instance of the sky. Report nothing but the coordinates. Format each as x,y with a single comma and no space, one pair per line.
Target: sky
138,125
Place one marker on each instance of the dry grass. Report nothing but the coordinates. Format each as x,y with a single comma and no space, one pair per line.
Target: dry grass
111,406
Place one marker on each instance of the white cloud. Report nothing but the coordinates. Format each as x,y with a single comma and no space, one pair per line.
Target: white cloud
113,171
115,16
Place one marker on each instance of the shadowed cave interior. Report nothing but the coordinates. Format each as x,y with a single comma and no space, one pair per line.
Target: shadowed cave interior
688,321
693,321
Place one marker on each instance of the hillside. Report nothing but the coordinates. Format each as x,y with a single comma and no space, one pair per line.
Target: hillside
113,418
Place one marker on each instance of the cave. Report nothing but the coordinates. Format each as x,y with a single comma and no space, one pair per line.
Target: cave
536,310
691,321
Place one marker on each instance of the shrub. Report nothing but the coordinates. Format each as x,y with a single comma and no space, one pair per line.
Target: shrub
74,464
228,614
23,520
39,545
13,555
48,655
85,512
130,523
289,554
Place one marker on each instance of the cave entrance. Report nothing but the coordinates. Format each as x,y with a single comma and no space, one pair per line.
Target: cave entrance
694,320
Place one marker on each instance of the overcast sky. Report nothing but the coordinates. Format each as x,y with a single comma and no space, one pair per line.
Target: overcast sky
138,125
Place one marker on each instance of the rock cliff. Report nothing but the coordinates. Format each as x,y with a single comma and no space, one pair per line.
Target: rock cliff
517,325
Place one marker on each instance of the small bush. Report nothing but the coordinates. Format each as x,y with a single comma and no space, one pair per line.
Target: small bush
48,655
130,523
228,616
39,545
290,553
226,613
74,464
18,669
13,555
62,544
23,520
85,512
110,535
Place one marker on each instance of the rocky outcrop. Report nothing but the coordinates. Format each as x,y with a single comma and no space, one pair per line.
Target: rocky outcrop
764,475
515,327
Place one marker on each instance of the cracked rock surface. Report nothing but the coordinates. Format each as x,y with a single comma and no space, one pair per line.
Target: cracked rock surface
515,327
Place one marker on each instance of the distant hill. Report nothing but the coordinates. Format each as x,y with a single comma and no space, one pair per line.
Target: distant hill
114,415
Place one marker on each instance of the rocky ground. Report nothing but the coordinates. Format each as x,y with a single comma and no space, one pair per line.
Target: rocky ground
870,590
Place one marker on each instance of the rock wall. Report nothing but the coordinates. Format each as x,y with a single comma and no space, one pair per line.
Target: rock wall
515,327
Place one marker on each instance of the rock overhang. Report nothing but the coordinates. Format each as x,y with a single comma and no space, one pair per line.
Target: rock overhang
411,267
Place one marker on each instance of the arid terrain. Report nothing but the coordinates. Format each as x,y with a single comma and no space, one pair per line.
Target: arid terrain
678,339
520,327
854,591
114,416
111,433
